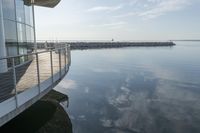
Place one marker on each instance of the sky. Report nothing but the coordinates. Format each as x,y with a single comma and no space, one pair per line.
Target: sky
119,19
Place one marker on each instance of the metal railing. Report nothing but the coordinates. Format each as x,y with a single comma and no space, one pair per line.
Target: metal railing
40,70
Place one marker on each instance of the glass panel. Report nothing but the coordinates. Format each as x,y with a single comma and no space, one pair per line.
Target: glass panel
12,50
21,33
23,50
20,11
29,34
10,31
28,15
9,9
30,38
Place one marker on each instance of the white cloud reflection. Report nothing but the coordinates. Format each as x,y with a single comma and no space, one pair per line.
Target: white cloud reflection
104,70
66,84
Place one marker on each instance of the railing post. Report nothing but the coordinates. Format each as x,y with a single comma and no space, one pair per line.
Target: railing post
14,81
69,54
51,57
65,60
59,51
38,71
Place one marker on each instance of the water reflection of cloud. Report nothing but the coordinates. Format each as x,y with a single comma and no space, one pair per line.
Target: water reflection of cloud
121,99
140,106
125,89
66,84
82,117
104,70
87,89
106,122
147,97
178,91
170,102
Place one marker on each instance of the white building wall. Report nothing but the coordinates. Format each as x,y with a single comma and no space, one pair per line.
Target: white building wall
3,63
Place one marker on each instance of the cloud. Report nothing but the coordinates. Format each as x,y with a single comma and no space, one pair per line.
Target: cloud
162,7
154,8
133,2
127,15
104,8
110,25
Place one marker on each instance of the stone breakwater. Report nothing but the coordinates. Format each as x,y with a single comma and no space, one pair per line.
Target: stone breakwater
93,45
98,45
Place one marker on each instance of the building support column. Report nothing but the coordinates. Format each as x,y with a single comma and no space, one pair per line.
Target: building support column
3,63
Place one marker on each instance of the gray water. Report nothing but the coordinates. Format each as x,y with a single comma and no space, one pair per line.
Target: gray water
135,90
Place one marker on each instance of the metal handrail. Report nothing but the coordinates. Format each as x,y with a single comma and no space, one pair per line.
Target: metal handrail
7,57
43,66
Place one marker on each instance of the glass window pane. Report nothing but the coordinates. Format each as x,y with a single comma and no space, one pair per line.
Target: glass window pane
21,32
28,15
23,50
12,50
10,31
9,9
20,11
29,34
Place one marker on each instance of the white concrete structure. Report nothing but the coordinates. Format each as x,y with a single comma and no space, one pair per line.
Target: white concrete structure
29,87
25,77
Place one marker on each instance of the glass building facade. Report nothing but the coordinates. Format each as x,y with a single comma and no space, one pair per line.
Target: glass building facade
18,27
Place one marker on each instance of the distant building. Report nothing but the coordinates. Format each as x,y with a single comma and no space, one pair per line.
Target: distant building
17,27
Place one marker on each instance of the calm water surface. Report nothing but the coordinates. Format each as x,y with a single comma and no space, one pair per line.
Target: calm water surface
135,90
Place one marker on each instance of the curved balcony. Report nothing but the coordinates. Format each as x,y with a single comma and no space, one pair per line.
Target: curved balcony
24,84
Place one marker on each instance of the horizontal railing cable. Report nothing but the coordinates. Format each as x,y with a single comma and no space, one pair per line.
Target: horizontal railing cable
26,71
